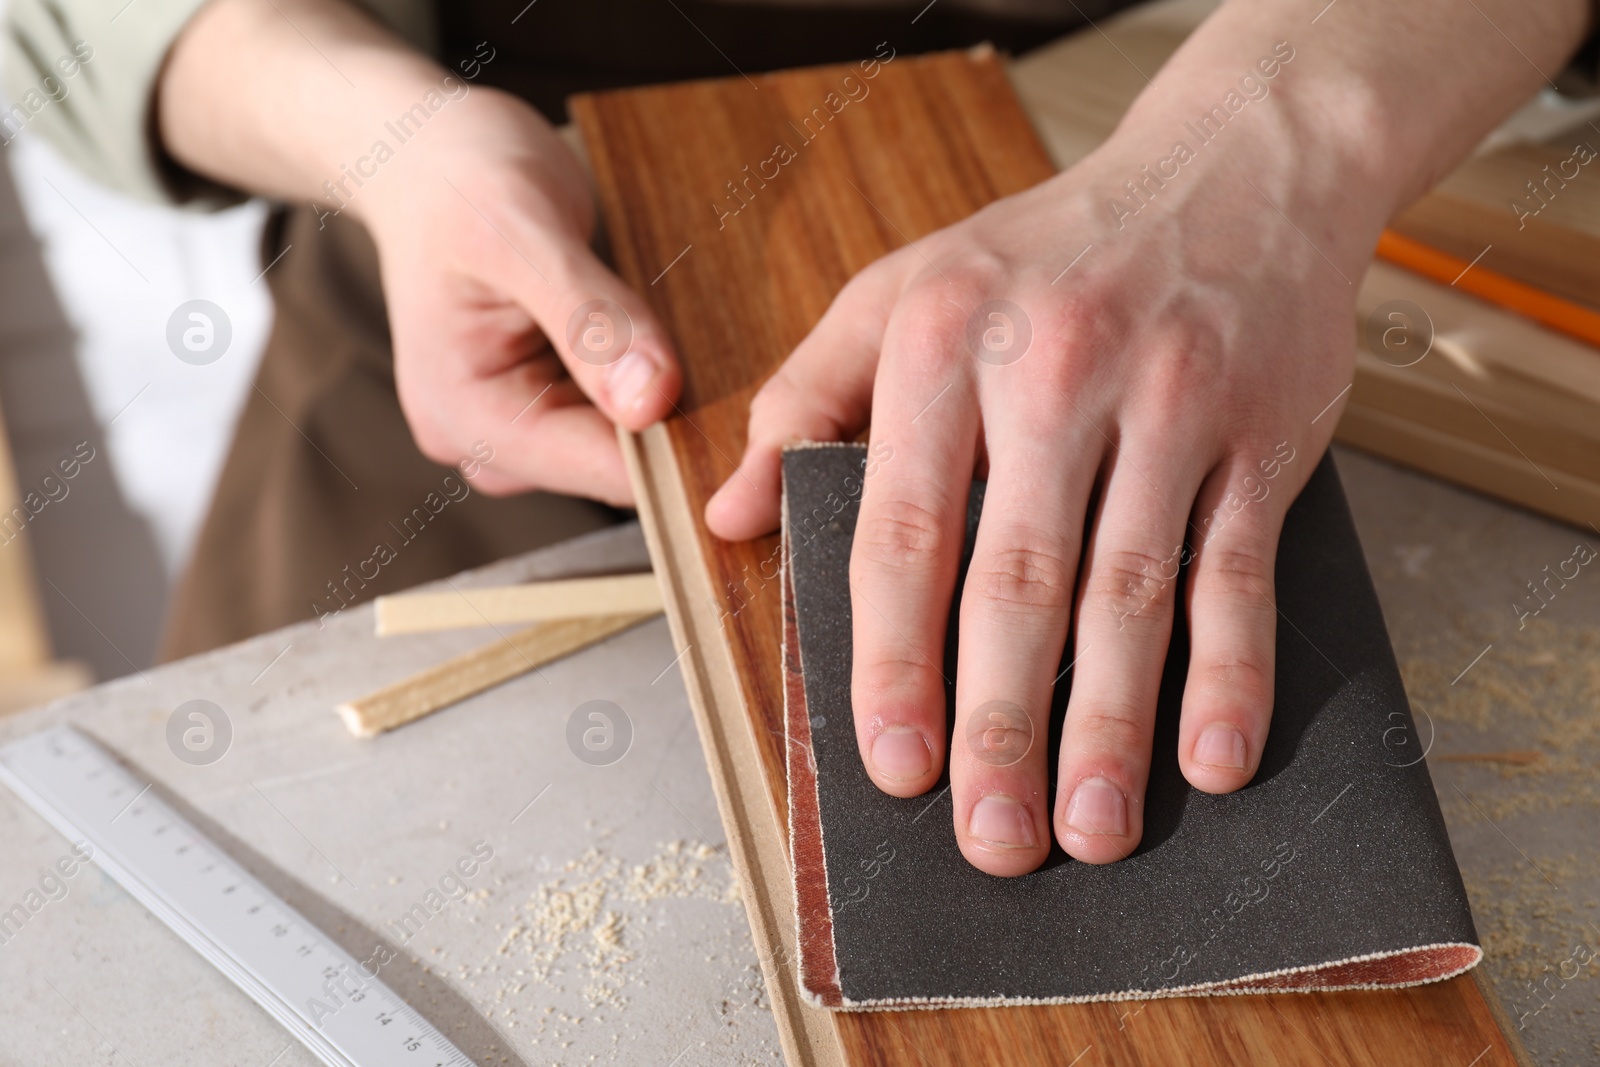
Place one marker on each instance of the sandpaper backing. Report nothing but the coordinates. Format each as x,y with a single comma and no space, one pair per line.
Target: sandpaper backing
1330,870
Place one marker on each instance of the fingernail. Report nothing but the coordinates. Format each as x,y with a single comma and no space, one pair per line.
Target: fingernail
630,378
1220,745
1098,807
900,753
1000,821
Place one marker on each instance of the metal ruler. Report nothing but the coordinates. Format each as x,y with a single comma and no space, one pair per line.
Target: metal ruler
339,1010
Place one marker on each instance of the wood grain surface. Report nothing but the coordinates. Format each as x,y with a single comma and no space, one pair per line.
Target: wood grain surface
934,139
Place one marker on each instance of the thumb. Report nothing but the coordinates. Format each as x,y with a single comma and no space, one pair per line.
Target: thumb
609,340
822,392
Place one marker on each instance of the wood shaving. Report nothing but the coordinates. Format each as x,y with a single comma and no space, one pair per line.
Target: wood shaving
1536,690
580,932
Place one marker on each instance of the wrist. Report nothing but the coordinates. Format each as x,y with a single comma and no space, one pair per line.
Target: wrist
483,155
377,138
1252,136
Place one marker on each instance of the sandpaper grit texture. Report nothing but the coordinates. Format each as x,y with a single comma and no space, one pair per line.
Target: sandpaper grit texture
1332,869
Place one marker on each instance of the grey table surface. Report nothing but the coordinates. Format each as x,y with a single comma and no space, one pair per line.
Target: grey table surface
1496,666
606,929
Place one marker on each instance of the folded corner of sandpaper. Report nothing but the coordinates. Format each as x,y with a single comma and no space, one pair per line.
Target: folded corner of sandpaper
1331,870
819,973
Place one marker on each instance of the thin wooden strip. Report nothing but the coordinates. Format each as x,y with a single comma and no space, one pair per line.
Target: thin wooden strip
473,672
756,833
568,598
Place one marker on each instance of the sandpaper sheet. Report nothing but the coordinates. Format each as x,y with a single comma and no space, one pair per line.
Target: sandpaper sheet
1330,870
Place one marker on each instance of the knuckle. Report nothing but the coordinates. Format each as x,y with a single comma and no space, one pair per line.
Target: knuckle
1186,364
979,275
1244,678
1085,321
900,534
1085,317
1025,576
931,323
1233,573
1067,372
1110,729
1133,583
886,671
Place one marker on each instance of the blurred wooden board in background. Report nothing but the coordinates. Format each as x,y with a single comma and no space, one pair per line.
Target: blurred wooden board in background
937,138
29,674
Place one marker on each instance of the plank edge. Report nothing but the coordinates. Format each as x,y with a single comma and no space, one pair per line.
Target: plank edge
808,1034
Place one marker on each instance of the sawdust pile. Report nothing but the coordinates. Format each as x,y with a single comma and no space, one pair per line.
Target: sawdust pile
554,974
683,870
574,930
1536,692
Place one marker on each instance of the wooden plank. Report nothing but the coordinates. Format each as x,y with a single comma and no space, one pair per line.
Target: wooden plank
1474,464
1499,350
473,672
937,138
1499,405
570,598
1454,403
1558,249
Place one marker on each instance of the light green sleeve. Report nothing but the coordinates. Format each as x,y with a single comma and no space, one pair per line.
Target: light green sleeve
82,74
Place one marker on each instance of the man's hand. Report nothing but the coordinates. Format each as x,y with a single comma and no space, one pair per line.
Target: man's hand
1151,408
506,327
1145,387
